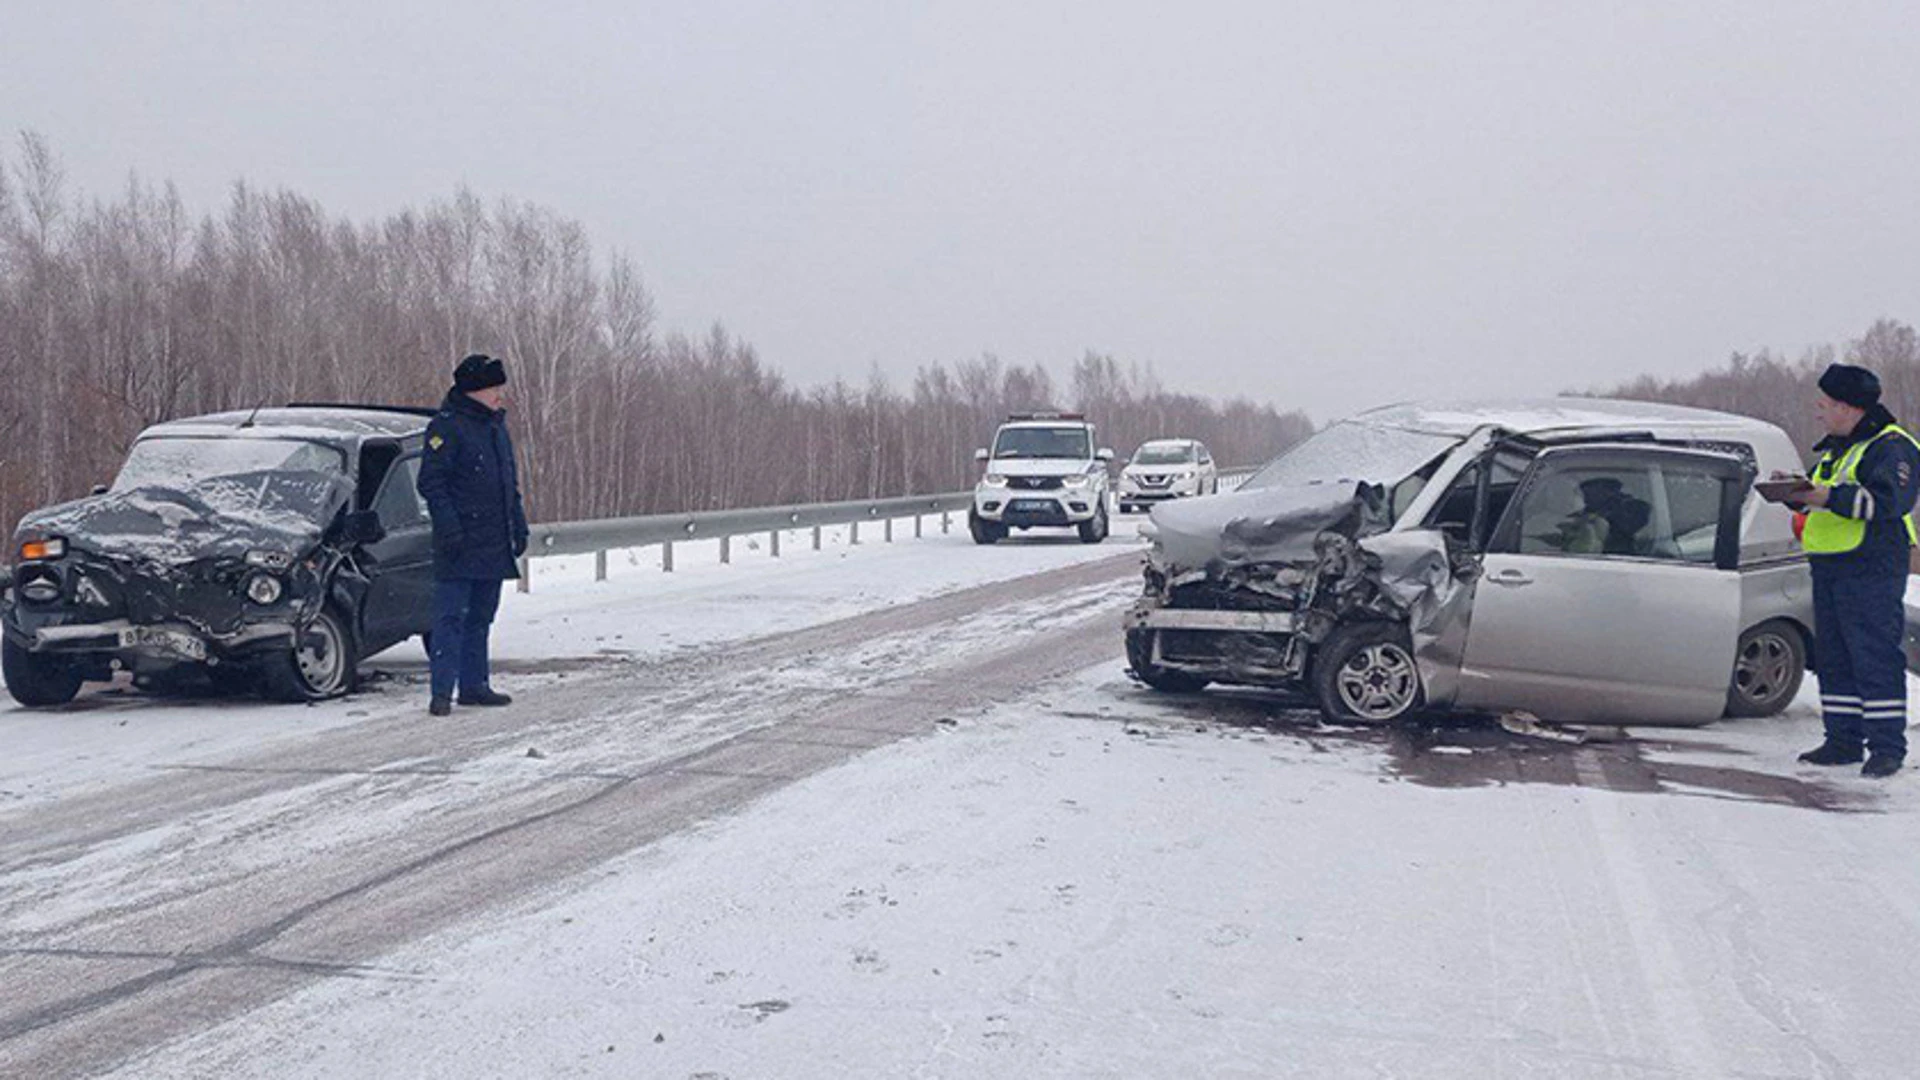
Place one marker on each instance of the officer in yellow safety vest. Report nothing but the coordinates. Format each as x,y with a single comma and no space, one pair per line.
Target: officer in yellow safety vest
1858,532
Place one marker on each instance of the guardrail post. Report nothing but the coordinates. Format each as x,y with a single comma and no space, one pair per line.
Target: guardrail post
526,575
916,526
775,538
946,521
853,536
888,529
666,556
600,565
726,549
816,538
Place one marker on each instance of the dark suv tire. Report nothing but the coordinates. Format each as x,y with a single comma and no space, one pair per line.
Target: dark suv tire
325,664
36,680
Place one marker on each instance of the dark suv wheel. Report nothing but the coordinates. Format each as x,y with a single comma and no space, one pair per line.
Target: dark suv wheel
322,664
36,680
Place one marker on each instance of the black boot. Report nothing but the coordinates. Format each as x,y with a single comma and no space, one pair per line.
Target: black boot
1832,753
440,706
486,696
1881,766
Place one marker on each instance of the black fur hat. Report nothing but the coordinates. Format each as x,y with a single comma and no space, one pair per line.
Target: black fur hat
478,372
1850,385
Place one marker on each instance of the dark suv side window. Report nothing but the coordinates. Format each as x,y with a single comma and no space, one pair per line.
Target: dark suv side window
399,504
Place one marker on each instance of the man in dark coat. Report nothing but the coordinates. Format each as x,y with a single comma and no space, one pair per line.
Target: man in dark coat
472,489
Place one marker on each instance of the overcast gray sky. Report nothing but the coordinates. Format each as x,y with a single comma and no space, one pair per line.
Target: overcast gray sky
1326,204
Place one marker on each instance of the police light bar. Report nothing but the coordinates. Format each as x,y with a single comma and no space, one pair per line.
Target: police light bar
1046,416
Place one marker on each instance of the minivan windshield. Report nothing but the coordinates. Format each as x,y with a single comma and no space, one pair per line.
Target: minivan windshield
1354,452
1163,455
1043,442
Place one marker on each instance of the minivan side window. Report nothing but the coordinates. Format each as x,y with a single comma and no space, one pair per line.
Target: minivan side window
1657,510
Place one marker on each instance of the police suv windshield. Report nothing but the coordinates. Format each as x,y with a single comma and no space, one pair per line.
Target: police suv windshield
1043,442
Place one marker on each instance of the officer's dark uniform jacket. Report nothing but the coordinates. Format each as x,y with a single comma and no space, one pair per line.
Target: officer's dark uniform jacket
1881,494
472,489
1858,549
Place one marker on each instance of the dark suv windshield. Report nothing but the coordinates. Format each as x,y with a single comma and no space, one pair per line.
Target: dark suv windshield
237,474
1043,442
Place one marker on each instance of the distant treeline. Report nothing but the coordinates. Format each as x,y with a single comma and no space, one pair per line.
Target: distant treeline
118,312
1775,388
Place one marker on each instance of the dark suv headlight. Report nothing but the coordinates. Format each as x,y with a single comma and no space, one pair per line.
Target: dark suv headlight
39,584
264,589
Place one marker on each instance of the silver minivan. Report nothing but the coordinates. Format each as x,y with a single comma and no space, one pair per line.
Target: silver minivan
1586,561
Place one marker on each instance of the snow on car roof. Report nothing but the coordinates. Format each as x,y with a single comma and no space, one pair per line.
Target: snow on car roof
1543,415
329,425
1168,442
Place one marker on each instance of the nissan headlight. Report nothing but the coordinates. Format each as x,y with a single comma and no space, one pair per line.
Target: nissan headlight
994,480
264,589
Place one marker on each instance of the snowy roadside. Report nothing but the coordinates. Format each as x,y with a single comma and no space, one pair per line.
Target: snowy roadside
1109,883
568,622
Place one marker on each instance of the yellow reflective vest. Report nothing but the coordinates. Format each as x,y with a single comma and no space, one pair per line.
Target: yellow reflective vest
1828,533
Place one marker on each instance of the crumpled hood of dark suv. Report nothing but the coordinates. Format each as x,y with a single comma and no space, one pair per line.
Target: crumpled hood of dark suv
215,520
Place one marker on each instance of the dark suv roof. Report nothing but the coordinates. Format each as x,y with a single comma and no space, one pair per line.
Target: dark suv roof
340,425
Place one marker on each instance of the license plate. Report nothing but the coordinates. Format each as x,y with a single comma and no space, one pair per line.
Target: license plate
1032,505
171,641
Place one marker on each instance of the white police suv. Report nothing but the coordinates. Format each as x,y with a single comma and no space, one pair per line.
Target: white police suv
1042,472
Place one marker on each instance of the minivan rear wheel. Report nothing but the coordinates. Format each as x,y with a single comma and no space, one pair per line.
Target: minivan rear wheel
1768,666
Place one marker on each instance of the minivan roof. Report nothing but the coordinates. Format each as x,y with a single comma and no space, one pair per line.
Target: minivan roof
1546,415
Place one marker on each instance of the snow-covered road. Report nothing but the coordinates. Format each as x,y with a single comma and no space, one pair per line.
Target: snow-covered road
931,832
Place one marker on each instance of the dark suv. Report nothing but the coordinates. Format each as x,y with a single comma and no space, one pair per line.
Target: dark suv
279,547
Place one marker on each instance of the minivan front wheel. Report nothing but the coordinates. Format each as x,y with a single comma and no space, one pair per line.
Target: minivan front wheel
1768,666
1366,672
321,664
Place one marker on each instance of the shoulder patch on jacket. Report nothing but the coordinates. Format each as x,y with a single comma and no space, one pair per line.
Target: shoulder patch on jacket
436,442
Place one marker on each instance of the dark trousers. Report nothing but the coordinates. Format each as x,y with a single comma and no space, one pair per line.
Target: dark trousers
1859,621
463,611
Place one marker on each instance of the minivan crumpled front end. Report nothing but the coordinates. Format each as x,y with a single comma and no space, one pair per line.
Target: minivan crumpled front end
1239,588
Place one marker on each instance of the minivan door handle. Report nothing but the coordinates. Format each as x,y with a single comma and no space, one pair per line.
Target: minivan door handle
1510,577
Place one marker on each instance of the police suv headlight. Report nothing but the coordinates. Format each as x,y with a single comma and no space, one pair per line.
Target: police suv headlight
264,589
994,480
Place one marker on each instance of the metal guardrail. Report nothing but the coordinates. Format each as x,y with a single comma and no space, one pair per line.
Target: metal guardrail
598,537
